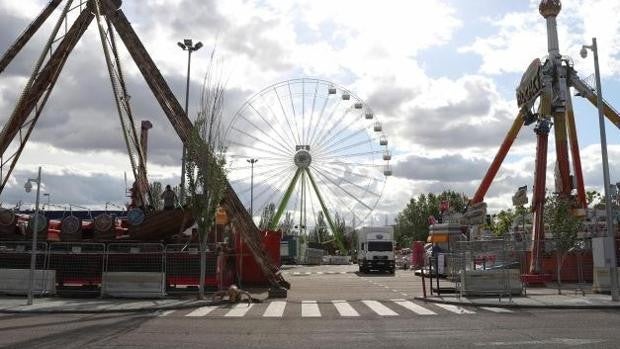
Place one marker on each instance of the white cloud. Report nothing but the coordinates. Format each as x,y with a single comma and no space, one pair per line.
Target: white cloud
520,37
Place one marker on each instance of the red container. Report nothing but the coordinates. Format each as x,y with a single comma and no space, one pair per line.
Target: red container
417,254
247,267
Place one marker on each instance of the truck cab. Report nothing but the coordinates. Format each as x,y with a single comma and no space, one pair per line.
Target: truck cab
376,250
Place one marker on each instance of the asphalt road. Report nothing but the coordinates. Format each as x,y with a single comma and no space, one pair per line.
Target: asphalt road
331,307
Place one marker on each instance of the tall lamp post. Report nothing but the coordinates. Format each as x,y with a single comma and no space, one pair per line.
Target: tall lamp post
252,162
186,45
611,236
35,231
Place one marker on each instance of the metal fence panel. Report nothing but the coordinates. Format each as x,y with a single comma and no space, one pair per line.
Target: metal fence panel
134,270
121,257
15,260
16,255
78,266
183,268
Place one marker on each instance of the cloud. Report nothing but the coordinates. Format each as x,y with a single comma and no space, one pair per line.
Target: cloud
454,168
520,37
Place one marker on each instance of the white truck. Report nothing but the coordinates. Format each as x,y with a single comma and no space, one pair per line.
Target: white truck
375,249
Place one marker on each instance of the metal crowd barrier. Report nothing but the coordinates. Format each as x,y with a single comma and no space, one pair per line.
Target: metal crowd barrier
183,268
16,255
15,260
115,269
134,270
79,267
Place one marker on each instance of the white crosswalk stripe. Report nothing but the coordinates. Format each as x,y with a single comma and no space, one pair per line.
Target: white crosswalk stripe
239,310
379,308
418,309
202,311
344,308
165,313
497,310
310,309
454,309
275,309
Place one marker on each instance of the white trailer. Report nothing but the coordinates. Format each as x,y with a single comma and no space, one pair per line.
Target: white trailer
375,249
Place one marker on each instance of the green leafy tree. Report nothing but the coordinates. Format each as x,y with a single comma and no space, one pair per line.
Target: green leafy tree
564,226
319,233
287,224
342,243
156,191
412,221
266,216
206,177
593,198
502,222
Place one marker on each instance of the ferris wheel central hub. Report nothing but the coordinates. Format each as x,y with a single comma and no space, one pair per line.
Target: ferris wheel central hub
302,158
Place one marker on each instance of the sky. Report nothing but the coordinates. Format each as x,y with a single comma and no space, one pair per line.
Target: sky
440,75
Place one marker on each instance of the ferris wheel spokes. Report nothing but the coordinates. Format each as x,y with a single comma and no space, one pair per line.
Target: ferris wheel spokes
317,150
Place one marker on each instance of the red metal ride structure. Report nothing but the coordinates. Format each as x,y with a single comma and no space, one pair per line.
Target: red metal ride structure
544,99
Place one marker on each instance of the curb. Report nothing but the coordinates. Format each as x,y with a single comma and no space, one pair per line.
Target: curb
517,306
109,311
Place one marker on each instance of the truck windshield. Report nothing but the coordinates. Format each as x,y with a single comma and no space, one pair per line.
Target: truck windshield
379,246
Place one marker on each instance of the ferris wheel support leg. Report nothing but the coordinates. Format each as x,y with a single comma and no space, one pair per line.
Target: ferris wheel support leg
287,196
337,234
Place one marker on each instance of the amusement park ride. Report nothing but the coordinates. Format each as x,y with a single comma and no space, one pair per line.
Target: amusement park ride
73,22
544,99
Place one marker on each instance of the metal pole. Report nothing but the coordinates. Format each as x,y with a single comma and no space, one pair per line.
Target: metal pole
189,63
252,162
33,252
611,236
252,189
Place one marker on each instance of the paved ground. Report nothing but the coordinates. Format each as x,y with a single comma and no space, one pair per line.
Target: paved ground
327,307
326,286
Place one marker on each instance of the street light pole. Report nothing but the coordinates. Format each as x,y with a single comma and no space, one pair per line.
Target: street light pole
252,162
611,236
33,252
186,45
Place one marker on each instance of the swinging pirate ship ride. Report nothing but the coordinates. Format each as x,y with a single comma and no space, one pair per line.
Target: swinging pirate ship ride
142,223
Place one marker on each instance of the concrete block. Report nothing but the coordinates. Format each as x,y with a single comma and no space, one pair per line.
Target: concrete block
491,282
600,279
16,281
134,284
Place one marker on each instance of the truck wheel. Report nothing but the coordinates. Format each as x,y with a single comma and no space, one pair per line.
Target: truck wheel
392,271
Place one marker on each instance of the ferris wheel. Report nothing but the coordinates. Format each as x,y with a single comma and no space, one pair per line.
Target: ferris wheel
307,148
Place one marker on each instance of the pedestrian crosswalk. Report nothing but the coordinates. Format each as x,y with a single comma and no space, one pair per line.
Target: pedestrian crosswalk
331,309
307,273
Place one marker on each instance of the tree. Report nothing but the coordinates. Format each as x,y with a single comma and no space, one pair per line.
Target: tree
266,216
319,233
206,177
340,234
412,222
156,190
502,222
564,226
593,198
286,226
